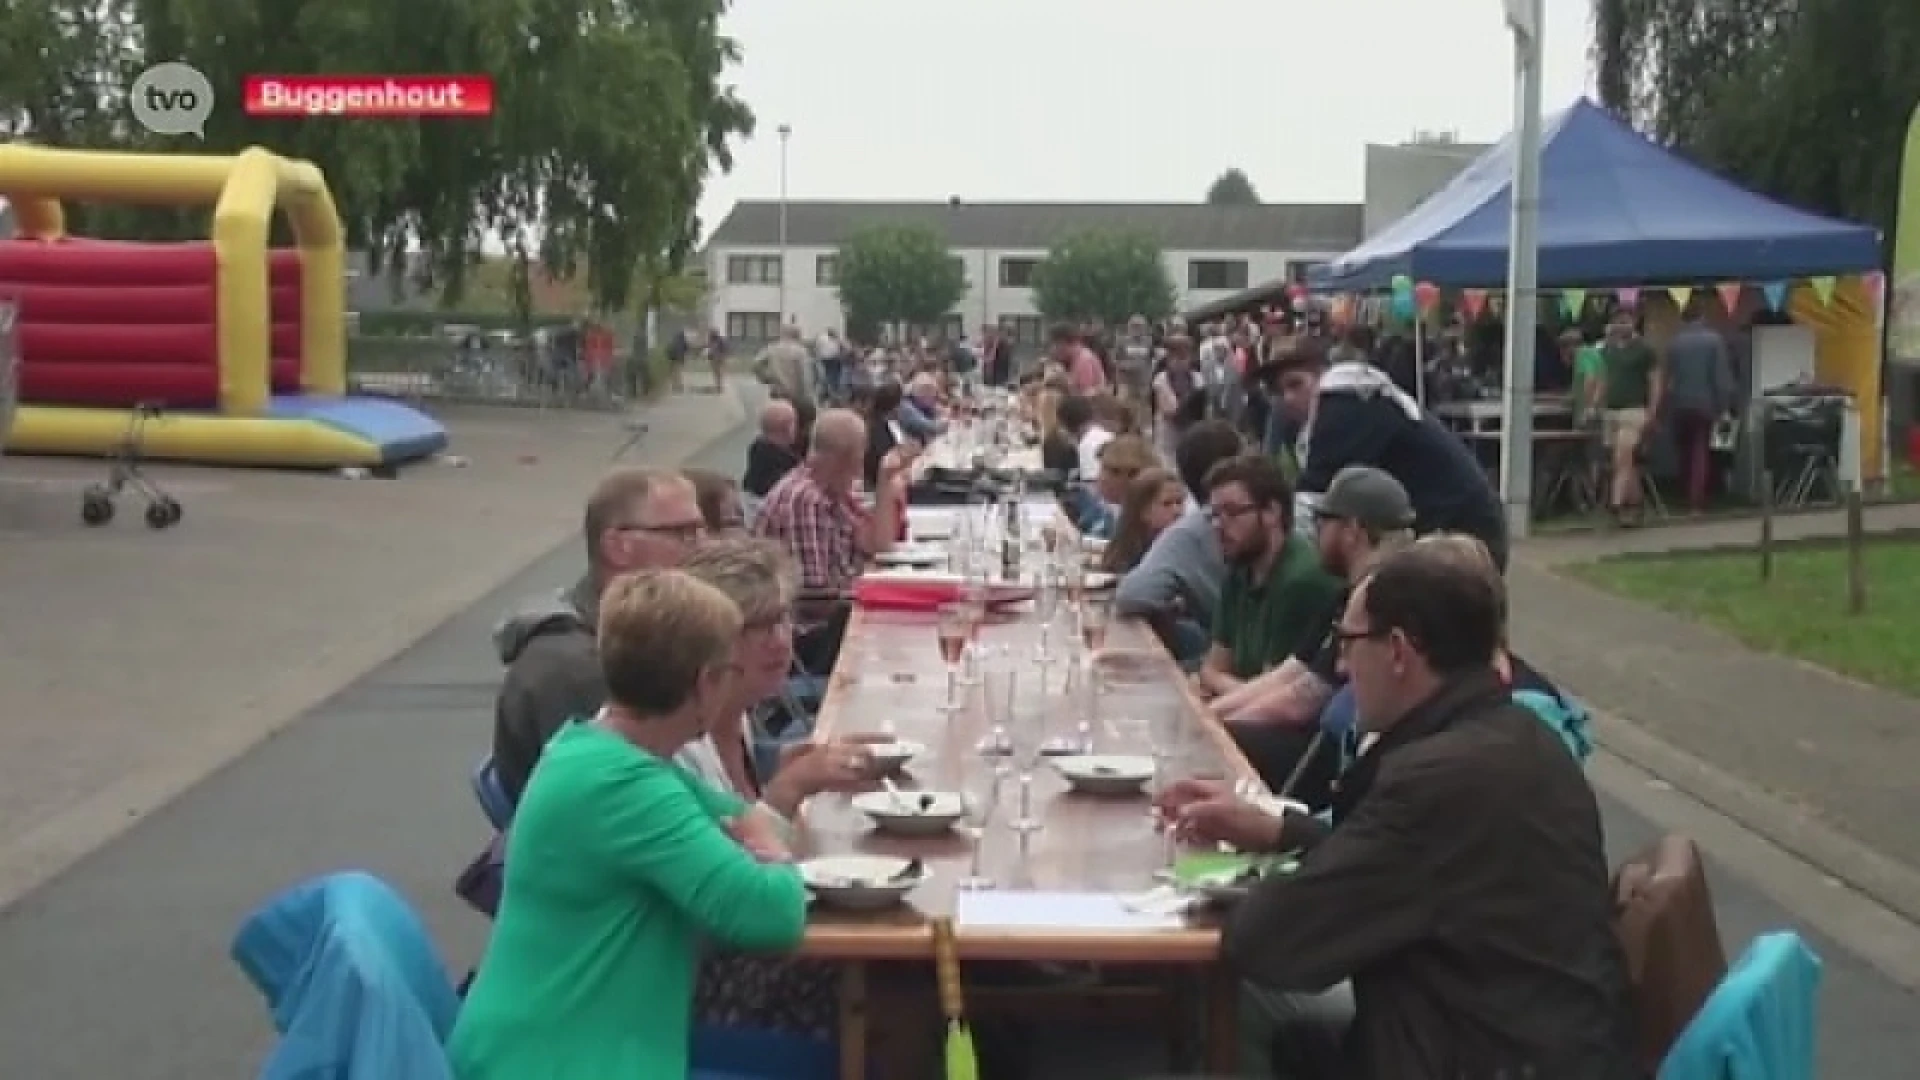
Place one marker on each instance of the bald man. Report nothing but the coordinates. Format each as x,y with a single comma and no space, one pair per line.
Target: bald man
775,451
815,514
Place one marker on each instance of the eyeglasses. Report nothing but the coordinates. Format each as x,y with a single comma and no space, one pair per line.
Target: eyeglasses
686,531
1343,638
1218,514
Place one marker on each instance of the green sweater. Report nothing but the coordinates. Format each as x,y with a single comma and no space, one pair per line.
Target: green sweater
617,867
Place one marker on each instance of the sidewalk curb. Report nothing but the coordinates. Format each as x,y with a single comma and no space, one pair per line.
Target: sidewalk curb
1846,864
50,848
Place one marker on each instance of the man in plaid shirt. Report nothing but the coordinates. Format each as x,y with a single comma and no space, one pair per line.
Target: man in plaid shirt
814,513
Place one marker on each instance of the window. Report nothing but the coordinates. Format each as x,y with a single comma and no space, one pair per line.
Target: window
1017,273
753,269
826,270
1024,329
1298,270
960,264
1217,274
752,326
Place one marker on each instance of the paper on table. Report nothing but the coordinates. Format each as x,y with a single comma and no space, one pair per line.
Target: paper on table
1067,912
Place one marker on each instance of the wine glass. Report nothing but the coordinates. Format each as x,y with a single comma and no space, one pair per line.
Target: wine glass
954,627
973,595
979,798
1095,616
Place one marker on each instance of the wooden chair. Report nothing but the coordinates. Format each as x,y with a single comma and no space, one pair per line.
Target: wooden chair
1663,915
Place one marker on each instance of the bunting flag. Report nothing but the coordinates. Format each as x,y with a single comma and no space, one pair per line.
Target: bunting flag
1823,288
1473,302
1573,302
1730,293
1427,295
1776,294
1681,295
1628,296
1876,285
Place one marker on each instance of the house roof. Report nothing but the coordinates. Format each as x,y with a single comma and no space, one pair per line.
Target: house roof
1306,227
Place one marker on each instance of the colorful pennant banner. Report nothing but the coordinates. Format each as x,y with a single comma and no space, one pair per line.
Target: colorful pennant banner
1681,295
1730,293
1776,295
1823,288
1629,297
1573,302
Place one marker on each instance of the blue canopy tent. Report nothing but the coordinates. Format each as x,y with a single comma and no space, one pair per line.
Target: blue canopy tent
1616,209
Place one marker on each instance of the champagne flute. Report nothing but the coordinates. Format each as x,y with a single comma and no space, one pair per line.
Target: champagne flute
1028,739
1095,616
979,798
954,627
997,678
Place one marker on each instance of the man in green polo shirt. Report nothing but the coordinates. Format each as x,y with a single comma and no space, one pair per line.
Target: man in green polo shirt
1276,596
1632,382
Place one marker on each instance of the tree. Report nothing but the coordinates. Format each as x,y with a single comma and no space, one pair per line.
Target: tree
609,117
1232,188
1110,276
898,274
1804,100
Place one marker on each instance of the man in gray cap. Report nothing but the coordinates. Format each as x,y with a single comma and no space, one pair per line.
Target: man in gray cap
1363,513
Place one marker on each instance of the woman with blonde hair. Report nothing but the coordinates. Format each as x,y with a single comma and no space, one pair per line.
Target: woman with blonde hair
1093,510
738,991
622,864
1155,499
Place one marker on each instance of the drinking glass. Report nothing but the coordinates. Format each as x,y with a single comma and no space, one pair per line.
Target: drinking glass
997,679
1095,616
973,595
979,798
1027,734
954,628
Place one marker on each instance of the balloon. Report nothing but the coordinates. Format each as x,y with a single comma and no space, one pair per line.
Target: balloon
1402,284
1427,294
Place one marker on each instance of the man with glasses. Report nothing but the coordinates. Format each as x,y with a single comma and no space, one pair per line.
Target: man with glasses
636,519
1461,888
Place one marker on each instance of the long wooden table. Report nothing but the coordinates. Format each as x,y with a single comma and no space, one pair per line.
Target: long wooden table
890,679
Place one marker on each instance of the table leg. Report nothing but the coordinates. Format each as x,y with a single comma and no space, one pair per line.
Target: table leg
853,1020
1223,1021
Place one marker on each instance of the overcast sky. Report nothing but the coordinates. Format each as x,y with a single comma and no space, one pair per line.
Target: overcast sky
1116,100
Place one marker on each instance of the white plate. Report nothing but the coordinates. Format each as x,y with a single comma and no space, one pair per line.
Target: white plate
860,882
912,555
1105,774
911,813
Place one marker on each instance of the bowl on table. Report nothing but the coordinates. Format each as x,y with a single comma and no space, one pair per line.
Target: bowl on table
861,882
890,757
912,554
1105,774
911,813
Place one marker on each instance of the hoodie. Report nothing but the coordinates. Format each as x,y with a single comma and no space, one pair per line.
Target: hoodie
356,988
553,675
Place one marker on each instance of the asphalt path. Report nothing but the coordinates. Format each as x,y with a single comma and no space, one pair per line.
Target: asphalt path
119,967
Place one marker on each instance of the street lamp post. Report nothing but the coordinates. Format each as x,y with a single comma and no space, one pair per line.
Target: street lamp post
786,135
1524,19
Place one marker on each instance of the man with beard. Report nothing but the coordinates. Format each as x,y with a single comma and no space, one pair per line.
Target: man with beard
1364,513
1276,599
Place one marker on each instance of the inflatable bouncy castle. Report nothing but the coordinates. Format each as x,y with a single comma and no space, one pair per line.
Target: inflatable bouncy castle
243,348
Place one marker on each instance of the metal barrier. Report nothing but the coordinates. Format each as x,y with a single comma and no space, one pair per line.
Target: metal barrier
437,369
9,369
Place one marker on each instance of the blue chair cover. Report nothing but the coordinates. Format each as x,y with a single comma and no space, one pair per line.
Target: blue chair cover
1760,1023
492,794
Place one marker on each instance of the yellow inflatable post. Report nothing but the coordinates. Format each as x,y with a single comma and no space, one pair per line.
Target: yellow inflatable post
244,190
1846,331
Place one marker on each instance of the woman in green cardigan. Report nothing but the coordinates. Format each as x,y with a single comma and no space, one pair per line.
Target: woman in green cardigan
620,861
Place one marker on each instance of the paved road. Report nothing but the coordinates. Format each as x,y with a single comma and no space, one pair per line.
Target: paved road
118,968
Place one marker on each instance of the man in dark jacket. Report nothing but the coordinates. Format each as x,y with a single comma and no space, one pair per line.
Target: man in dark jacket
637,519
1463,891
1355,415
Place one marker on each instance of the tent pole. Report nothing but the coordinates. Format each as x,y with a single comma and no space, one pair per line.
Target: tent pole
1524,19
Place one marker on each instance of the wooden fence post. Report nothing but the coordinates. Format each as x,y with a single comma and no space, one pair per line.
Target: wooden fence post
1766,525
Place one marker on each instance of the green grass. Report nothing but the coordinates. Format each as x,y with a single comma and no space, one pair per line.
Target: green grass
1802,612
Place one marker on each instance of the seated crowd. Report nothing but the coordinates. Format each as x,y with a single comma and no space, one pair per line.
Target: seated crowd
1451,916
